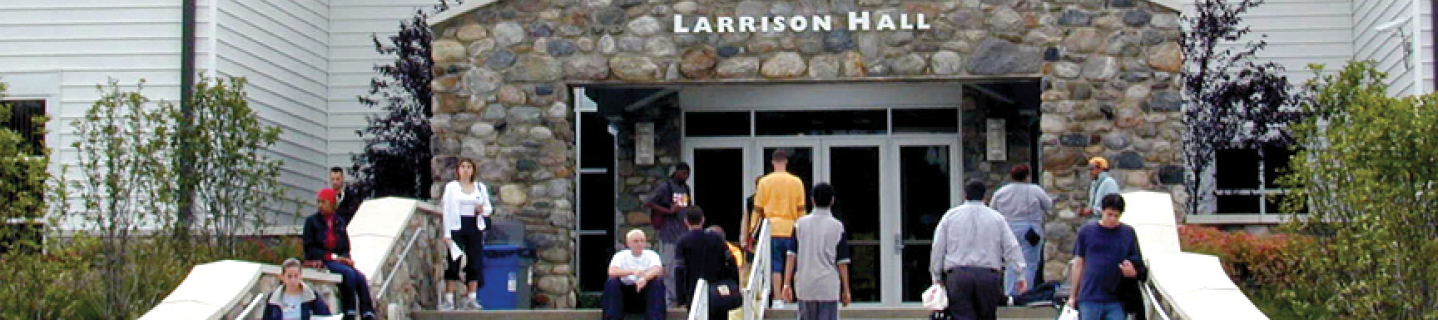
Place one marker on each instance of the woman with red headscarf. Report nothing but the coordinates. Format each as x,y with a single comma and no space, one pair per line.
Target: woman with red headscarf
327,243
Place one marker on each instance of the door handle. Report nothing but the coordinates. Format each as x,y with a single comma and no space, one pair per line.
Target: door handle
898,243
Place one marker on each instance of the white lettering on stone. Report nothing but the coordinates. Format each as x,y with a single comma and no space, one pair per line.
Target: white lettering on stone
858,21
886,24
921,24
725,23
703,26
823,23
679,24
746,24
779,25
798,23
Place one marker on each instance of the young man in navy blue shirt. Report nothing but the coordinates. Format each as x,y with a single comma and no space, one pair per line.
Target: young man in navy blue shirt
1106,254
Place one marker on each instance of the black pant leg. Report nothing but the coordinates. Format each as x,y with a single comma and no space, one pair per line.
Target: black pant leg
474,253
988,293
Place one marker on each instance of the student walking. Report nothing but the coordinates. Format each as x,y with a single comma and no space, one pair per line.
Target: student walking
970,244
1023,206
817,271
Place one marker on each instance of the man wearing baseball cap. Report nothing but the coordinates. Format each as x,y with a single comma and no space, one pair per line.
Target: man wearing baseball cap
1102,185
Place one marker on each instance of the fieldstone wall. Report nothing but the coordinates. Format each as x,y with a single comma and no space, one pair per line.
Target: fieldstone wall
1108,71
418,280
637,182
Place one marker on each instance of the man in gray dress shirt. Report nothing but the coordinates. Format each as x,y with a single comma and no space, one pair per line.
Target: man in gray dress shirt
1023,205
971,244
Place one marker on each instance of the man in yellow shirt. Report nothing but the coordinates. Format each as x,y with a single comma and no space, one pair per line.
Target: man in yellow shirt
780,198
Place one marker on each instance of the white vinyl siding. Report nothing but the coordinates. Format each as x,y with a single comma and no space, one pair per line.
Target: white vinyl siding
60,51
1299,33
1386,48
281,48
352,60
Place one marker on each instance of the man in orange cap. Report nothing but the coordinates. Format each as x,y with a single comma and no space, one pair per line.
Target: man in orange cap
1102,185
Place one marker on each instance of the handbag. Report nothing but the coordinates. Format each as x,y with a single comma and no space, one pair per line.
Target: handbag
1068,314
725,295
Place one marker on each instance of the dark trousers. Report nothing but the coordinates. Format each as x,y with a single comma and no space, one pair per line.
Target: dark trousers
974,293
470,239
618,296
352,284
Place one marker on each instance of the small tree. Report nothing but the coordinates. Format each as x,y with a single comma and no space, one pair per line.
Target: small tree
1367,176
236,183
122,158
1233,102
396,157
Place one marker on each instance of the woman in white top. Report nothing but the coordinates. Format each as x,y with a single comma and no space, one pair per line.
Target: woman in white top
466,204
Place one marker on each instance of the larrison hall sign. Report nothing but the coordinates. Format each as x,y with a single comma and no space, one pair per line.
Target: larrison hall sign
858,21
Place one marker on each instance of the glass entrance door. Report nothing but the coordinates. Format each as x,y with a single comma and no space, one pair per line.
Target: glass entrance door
926,171
855,169
890,194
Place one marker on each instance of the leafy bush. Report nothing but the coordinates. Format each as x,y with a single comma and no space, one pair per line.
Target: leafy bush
1367,176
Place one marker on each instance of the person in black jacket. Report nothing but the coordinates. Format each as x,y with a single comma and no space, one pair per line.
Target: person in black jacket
348,202
294,300
327,243
701,254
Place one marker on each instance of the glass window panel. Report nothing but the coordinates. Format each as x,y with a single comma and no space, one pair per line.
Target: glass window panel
716,124
811,123
1239,204
926,120
1236,168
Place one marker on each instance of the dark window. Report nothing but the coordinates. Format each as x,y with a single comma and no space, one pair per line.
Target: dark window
926,120
596,200
716,124
1275,165
1248,180
24,120
1236,168
812,123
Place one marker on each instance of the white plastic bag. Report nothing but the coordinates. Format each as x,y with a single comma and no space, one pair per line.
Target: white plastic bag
936,298
1068,314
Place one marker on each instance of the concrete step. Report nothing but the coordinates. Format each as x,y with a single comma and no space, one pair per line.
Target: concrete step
859,313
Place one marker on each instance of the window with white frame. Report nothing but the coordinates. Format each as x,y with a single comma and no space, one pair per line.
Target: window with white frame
1247,180
23,120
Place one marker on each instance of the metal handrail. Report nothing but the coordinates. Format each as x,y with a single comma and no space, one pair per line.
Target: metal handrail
699,305
759,287
1152,301
250,307
383,289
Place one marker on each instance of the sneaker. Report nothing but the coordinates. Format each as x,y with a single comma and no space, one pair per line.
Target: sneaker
472,303
778,304
446,302
369,316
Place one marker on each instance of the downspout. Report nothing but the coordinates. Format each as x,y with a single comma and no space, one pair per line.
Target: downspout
185,160
1416,49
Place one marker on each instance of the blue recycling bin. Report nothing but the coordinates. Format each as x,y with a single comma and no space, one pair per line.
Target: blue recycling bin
503,277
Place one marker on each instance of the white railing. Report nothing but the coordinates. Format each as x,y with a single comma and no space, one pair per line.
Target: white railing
699,306
251,307
756,294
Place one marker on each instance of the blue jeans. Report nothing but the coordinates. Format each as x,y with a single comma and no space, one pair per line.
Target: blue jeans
1031,255
352,285
619,297
1101,310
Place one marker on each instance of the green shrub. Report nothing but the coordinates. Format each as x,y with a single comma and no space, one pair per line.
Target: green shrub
1367,175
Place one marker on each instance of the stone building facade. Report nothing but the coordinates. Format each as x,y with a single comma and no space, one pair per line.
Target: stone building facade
1107,71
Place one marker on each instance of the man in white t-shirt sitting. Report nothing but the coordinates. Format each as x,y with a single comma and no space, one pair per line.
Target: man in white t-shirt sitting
632,275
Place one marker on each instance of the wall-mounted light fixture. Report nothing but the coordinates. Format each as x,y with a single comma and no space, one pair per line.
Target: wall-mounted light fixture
1396,28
